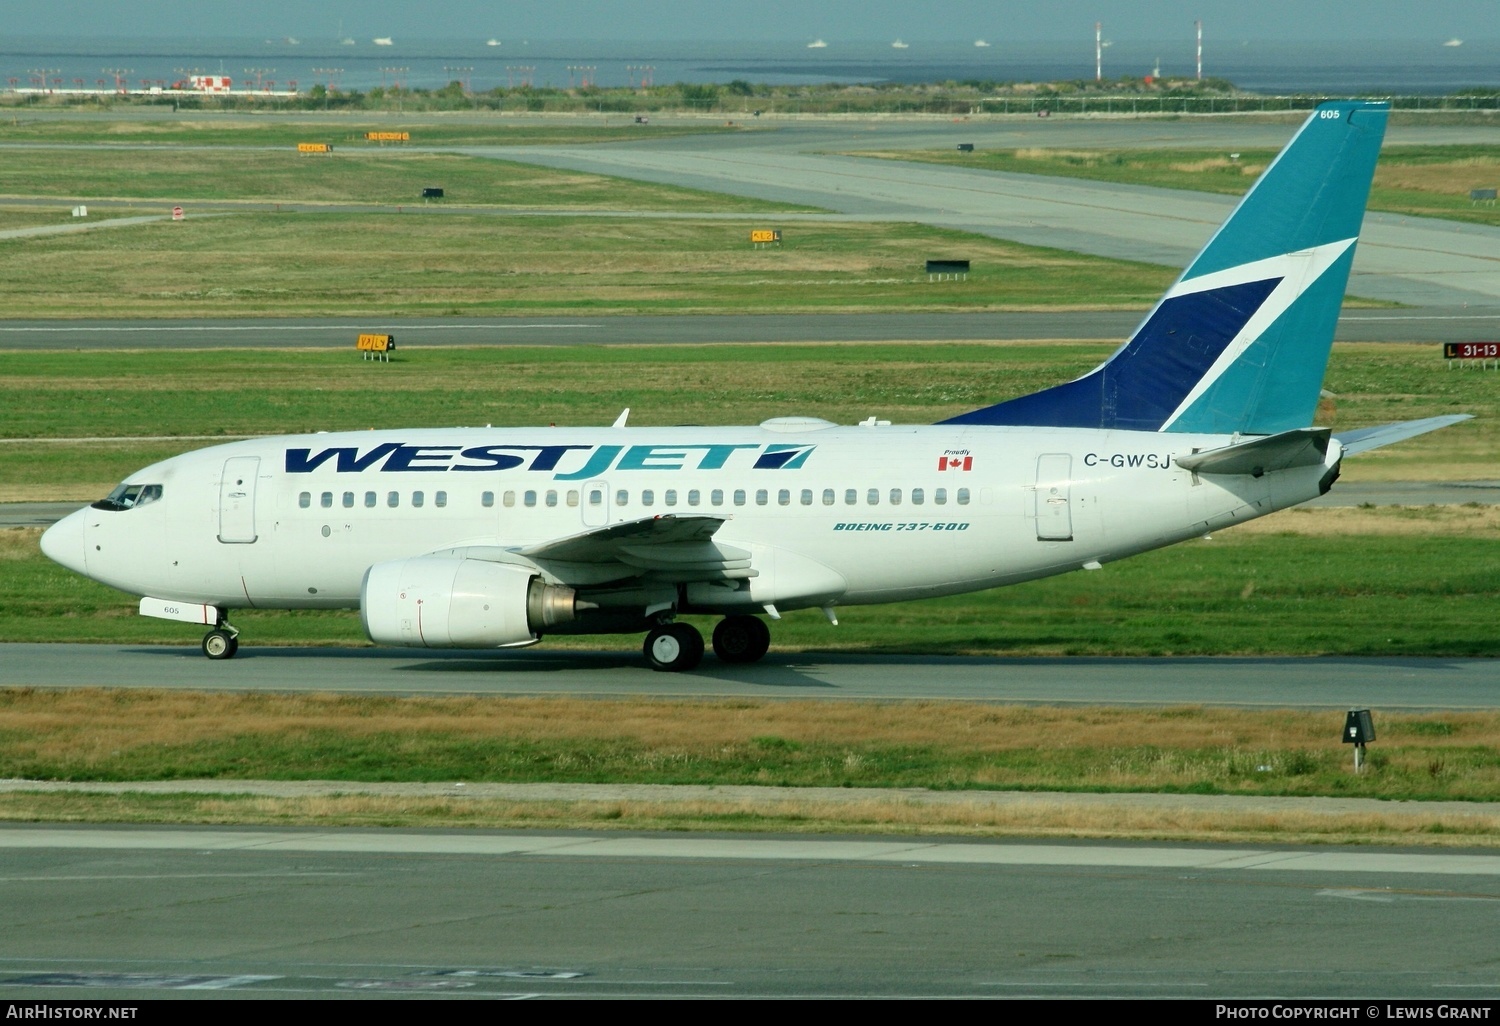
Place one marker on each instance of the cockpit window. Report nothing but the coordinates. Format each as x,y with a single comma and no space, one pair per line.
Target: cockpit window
129,496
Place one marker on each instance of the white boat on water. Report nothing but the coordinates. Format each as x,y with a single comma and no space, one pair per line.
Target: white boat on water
384,41
492,42
898,45
817,44
980,43
1454,42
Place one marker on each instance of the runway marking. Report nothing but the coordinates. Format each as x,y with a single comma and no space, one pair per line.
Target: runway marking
908,853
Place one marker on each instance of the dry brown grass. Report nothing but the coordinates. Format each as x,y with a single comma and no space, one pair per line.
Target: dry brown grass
1384,521
94,722
54,493
1037,819
1043,153
1453,178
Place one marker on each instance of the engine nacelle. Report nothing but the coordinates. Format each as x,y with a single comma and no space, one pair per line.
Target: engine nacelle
443,602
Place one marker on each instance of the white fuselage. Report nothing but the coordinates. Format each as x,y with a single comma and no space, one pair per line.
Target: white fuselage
831,515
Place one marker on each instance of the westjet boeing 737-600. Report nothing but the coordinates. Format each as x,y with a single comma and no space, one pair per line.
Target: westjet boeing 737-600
488,538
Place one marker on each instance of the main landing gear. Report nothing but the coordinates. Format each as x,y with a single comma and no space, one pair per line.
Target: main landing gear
741,639
678,647
674,647
222,642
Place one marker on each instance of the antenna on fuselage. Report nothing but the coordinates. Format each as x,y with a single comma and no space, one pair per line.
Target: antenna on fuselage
620,420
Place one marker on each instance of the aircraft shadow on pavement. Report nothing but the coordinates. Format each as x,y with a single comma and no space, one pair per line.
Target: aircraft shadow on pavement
783,672
767,673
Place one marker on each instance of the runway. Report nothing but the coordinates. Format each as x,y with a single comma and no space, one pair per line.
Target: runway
131,913
1409,260
1298,683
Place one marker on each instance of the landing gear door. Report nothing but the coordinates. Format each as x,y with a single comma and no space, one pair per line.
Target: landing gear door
237,500
1054,513
596,504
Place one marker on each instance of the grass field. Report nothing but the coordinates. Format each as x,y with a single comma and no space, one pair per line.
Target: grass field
106,735
426,264
1429,181
213,392
1409,825
372,176
346,132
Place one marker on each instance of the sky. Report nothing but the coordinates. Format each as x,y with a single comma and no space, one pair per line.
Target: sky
718,20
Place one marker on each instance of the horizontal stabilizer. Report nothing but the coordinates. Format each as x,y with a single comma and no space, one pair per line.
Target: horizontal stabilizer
1365,439
1303,447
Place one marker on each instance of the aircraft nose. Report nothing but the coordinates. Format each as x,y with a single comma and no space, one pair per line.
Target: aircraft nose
63,542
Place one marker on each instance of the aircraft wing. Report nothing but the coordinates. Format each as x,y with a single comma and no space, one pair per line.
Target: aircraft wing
1365,439
668,547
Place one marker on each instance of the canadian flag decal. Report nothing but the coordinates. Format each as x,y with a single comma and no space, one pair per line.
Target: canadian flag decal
955,463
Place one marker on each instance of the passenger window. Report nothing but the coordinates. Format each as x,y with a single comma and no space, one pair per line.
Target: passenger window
326,500
693,496
508,499
739,496
304,500
895,496
648,497
940,496
670,496
440,499
417,498
828,496
573,497
622,497
716,497
371,499
487,499
762,497
551,497
963,496
529,498
784,497
393,499
917,496
851,497
872,497
807,496
596,497
348,500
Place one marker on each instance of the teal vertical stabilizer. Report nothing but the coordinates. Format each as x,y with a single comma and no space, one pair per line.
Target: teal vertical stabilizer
1240,343
1309,202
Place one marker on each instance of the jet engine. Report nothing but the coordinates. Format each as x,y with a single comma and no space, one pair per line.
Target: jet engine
446,602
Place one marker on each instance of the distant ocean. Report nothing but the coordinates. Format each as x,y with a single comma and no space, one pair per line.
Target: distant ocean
1424,66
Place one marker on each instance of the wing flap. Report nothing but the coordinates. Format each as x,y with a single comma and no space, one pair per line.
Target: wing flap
606,544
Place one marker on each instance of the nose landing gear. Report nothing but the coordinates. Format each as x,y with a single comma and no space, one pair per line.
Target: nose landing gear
222,642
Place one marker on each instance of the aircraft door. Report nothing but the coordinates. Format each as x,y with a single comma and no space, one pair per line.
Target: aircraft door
237,500
596,504
1053,512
